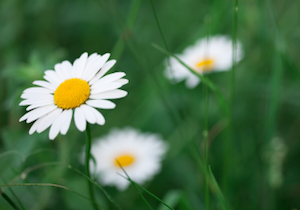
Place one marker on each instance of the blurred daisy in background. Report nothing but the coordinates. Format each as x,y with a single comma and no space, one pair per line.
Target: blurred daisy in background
81,87
207,55
139,154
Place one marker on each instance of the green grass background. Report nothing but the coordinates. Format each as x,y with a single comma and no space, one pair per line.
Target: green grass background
262,95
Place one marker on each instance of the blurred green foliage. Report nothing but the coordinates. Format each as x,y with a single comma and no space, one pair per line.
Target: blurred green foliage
37,34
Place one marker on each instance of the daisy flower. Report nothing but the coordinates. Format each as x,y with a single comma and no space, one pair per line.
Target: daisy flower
205,56
138,153
81,87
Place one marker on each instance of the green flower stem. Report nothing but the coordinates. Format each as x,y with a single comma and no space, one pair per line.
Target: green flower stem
87,164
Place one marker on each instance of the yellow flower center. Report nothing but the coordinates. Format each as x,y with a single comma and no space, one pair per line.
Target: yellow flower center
71,93
205,65
124,160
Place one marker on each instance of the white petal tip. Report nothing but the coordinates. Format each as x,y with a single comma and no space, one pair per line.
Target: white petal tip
51,136
64,132
101,123
81,129
85,54
125,93
126,81
106,55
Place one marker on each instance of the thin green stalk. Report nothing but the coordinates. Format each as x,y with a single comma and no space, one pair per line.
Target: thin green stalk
276,77
44,185
218,192
87,164
30,169
14,195
154,196
205,125
134,184
131,19
205,139
213,184
176,118
206,174
229,133
139,192
125,39
9,200
166,48
108,196
268,195
234,37
158,25
204,80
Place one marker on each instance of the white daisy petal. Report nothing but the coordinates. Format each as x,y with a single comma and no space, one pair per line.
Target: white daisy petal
105,87
39,96
37,113
60,71
66,121
106,67
55,127
75,64
36,101
91,61
96,67
113,94
79,66
92,58
88,114
192,81
79,119
45,84
139,154
33,106
102,104
122,81
67,69
69,87
37,90
109,78
48,119
34,95
34,126
99,117
52,77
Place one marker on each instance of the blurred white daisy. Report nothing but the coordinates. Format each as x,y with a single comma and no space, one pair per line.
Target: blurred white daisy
139,154
207,55
81,87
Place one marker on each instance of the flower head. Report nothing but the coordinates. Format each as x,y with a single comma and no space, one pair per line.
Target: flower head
138,153
81,87
207,55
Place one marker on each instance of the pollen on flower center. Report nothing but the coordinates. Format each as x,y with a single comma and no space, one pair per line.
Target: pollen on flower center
71,93
205,65
124,160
